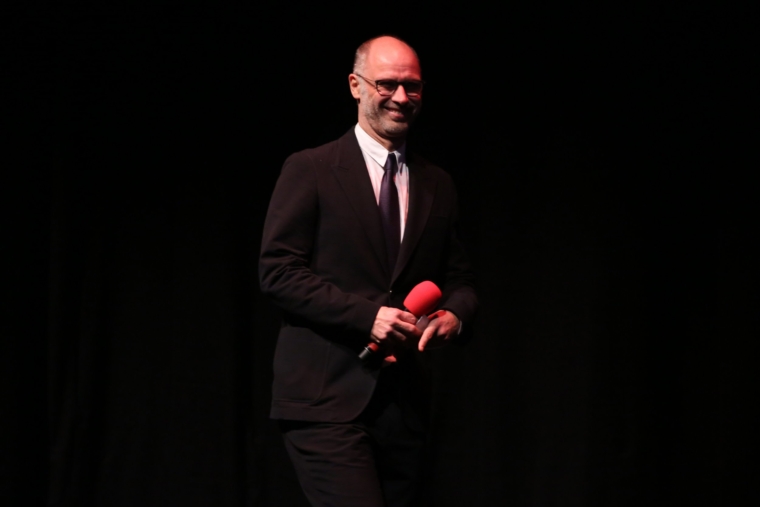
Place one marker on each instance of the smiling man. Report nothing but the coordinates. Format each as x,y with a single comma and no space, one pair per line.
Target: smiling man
352,227
387,111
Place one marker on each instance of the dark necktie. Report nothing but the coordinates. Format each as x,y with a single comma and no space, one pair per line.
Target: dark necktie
389,210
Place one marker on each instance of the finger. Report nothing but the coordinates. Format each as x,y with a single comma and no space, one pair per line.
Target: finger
388,360
388,334
408,329
429,332
397,335
407,317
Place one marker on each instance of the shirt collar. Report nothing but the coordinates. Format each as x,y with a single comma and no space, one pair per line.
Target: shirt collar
376,151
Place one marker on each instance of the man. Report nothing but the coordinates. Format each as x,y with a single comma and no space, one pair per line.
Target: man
352,227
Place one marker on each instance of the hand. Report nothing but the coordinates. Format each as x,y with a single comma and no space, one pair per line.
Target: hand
394,326
439,331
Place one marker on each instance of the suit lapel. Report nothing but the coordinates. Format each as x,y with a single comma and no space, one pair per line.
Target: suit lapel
421,194
351,172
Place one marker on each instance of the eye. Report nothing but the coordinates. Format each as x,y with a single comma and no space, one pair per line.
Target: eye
412,87
387,86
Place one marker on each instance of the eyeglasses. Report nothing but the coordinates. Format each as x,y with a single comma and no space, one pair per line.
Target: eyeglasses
387,87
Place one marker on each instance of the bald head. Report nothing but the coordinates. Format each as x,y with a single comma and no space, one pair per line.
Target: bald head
384,45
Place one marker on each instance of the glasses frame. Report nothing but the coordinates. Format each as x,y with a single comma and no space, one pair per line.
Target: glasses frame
377,87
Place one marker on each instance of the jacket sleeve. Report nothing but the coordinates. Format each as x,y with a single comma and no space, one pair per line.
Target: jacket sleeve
286,252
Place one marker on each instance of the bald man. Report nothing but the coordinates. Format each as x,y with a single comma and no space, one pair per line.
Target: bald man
352,227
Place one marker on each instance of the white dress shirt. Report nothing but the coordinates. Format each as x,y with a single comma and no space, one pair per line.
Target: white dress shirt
375,156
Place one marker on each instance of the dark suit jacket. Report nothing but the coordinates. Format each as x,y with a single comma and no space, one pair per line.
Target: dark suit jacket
323,262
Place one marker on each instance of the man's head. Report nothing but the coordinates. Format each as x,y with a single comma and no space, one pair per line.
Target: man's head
385,113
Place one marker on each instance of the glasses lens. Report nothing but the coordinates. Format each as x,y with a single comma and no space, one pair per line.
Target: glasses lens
386,87
412,87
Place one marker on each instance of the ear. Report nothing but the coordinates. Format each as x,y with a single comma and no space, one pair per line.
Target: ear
353,83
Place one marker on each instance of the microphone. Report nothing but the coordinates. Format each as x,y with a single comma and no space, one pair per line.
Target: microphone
422,299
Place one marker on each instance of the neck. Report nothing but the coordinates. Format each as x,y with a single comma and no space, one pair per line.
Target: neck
392,144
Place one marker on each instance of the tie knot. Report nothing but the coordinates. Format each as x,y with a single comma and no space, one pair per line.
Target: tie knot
391,164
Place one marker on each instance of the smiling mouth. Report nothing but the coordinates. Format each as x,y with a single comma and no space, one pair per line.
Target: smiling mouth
396,113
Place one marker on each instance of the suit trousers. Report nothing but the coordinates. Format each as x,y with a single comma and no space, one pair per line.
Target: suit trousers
372,461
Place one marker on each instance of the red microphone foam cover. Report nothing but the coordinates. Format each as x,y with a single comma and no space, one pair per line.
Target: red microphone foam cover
423,298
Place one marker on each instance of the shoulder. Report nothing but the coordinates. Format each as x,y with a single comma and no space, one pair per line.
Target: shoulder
318,153
326,154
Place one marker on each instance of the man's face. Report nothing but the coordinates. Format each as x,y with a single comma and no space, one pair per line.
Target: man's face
387,118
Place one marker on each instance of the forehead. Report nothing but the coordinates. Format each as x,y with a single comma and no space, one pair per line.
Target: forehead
389,57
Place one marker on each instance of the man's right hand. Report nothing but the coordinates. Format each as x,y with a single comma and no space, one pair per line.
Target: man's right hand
395,326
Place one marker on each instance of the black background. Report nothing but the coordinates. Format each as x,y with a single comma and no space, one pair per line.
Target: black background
606,205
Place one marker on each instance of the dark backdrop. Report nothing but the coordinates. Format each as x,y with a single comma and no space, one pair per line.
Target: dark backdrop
603,204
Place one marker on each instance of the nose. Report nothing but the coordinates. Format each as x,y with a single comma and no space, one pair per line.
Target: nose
400,96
